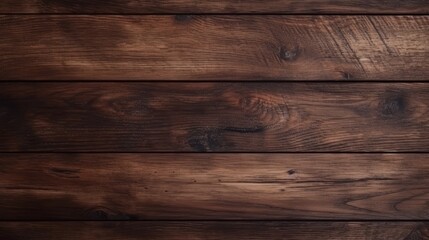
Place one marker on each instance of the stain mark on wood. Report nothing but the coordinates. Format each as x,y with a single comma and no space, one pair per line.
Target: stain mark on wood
183,18
65,172
206,140
104,213
255,129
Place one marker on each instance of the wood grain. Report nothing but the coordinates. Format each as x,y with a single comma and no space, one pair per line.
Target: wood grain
219,6
214,230
216,117
213,186
186,47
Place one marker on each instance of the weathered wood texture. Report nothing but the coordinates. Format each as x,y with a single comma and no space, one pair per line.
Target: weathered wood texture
214,47
218,6
213,186
218,117
214,230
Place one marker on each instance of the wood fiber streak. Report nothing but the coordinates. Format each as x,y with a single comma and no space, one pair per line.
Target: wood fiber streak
214,230
186,47
216,117
218,6
213,186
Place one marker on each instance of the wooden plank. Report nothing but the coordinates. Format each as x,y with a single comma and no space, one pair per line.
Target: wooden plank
219,6
61,47
217,117
213,186
214,230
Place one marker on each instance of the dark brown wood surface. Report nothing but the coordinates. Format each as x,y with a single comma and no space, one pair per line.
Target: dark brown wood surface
213,120
218,6
255,230
213,186
218,117
185,47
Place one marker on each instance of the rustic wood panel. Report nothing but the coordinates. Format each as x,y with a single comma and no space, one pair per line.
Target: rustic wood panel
214,47
213,186
214,230
218,117
218,6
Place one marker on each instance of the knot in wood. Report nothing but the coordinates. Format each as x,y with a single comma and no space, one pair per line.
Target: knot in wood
289,54
393,104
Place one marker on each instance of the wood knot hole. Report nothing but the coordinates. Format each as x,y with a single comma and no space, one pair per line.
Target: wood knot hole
347,75
393,104
289,54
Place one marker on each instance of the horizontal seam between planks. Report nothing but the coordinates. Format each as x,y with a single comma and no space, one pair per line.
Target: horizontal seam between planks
220,14
190,152
229,220
214,81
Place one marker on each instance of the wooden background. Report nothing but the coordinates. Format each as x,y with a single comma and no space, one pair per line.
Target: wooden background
183,119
